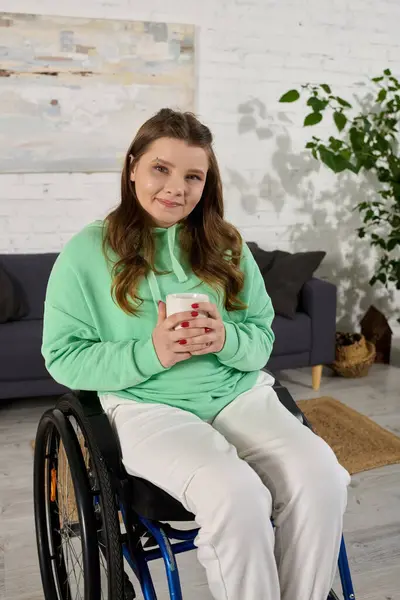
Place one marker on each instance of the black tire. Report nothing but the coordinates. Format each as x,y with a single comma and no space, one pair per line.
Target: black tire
107,518
51,530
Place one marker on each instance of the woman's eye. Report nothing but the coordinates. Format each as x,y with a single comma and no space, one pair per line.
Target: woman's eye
161,169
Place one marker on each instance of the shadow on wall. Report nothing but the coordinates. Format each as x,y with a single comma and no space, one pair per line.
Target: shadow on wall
326,218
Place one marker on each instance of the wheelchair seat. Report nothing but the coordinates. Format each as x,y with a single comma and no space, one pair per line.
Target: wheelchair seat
153,503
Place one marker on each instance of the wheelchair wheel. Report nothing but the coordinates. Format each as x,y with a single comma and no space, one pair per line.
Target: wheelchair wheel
77,526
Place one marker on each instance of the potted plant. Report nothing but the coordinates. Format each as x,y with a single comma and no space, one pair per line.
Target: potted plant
354,355
366,140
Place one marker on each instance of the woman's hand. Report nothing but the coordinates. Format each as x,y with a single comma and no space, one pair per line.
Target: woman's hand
213,328
173,346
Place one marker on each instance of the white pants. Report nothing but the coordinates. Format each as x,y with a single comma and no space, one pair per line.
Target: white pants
254,461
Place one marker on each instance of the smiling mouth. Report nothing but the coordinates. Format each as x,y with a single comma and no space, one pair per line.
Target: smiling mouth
168,203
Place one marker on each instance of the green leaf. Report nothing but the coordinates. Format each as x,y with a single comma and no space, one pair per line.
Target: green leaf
392,243
368,162
373,280
356,139
394,165
387,72
312,119
316,104
340,120
382,145
343,102
326,88
346,153
335,144
290,96
381,277
377,79
381,96
335,162
310,145
396,190
383,174
366,124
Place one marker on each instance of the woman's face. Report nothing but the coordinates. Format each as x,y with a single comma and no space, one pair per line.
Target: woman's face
169,180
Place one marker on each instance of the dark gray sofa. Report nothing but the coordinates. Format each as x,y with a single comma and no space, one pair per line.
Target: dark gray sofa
22,369
307,340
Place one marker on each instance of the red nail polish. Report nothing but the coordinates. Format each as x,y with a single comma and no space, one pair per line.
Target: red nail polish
185,324
195,306
195,314
208,330
182,342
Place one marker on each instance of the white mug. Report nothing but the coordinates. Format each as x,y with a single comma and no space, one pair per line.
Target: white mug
177,303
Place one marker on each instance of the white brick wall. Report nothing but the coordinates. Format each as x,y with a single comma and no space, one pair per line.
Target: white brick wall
248,53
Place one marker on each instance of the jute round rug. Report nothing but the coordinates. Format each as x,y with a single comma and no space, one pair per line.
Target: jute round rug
359,443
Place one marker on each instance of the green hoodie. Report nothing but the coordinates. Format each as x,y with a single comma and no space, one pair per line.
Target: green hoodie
90,343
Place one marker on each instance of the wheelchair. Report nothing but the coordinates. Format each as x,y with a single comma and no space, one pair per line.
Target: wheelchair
94,522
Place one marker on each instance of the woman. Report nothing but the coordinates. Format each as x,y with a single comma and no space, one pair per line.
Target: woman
194,413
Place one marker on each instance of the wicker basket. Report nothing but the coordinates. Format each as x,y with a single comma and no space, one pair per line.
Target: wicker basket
357,351
356,366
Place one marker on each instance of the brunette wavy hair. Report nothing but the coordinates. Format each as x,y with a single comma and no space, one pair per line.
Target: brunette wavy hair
212,246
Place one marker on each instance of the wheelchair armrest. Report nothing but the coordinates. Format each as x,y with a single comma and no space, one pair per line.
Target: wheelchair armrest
287,400
90,402
105,437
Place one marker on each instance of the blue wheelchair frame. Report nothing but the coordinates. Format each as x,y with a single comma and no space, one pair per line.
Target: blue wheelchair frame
168,551
161,534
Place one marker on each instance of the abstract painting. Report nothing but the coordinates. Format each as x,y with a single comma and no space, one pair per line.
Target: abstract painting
73,91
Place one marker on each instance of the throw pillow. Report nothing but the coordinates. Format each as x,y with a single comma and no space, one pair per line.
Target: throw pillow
12,305
263,258
285,274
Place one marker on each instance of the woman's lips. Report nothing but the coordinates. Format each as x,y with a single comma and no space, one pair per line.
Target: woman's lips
168,203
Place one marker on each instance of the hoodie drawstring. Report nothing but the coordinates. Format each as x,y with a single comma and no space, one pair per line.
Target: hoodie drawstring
176,267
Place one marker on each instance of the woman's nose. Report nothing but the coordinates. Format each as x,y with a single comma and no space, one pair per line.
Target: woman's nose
175,185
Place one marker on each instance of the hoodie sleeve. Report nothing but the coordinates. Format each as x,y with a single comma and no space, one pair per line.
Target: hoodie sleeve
248,344
73,352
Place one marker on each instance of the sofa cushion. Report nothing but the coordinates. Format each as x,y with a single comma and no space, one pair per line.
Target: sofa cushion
284,275
292,335
12,301
20,355
32,272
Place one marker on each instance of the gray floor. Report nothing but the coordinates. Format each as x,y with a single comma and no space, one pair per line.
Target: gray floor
372,523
